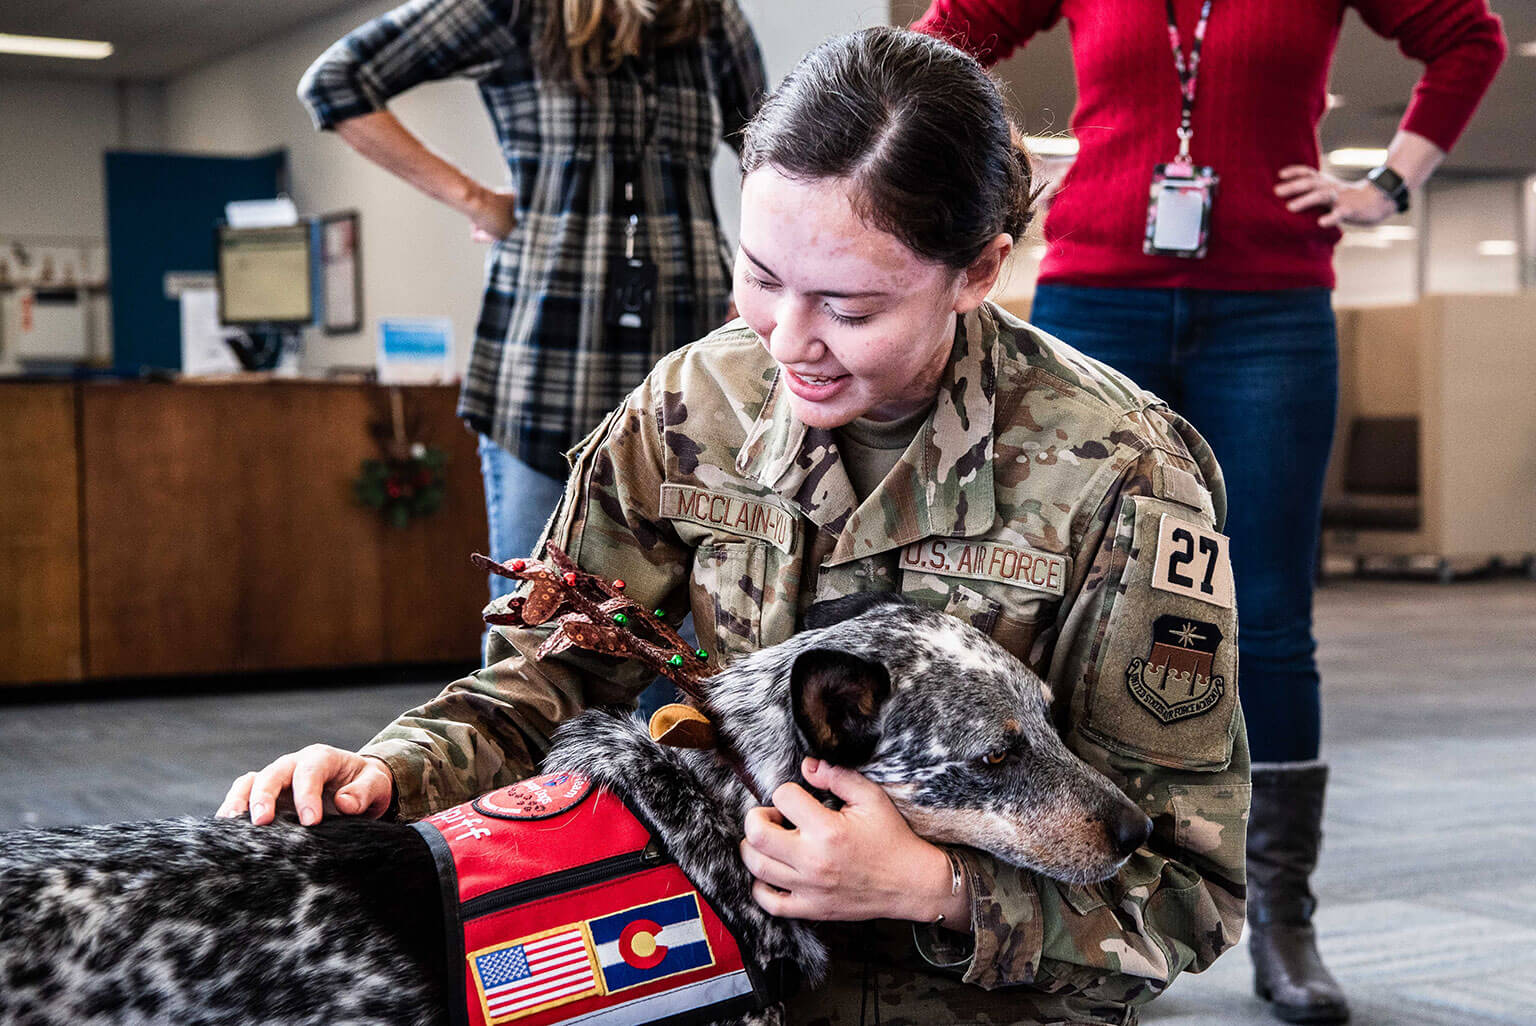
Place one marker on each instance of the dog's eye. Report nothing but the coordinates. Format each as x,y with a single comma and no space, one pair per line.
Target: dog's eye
996,757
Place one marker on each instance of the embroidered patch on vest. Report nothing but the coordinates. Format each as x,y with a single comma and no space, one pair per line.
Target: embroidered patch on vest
535,798
536,972
988,561
738,514
1175,681
651,942
1193,561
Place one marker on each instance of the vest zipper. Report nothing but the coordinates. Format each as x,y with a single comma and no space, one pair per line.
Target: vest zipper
566,880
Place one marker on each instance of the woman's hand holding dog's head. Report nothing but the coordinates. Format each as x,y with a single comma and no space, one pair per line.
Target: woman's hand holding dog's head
316,779
857,862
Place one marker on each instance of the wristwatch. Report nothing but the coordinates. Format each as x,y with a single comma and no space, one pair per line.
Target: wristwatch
1391,183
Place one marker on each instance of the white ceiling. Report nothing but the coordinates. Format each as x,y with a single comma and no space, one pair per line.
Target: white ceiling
154,39
159,39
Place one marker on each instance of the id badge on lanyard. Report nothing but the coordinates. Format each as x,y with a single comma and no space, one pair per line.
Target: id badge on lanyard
1182,192
630,304
632,277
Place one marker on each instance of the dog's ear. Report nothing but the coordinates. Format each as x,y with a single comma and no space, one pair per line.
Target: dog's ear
825,614
837,698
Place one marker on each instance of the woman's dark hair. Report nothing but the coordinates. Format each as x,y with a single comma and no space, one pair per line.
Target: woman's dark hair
915,125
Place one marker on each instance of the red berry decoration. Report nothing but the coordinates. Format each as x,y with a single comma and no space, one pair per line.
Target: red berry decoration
570,580
618,585
519,565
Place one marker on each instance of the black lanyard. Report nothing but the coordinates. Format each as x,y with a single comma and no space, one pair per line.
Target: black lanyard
630,164
1189,74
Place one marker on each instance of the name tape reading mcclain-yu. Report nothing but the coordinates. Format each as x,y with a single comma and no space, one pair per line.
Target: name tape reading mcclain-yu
988,561
738,514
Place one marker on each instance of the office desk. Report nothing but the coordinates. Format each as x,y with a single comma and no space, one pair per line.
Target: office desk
169,529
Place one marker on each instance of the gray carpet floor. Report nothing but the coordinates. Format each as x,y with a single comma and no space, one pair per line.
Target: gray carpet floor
1428,880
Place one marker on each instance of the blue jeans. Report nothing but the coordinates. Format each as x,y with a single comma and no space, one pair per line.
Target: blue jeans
518,503
1257,375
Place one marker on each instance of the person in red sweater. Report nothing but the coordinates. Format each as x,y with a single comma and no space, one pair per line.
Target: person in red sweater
1191,247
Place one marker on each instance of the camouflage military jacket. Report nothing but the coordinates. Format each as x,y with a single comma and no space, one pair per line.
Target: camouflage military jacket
1049,502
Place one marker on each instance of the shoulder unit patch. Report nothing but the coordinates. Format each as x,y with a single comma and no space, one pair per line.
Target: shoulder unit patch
1175,681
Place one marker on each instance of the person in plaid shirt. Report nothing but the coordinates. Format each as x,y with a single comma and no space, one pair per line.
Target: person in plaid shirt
609,113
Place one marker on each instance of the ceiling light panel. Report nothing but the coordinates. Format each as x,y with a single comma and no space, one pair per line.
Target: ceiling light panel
49,46
1357,156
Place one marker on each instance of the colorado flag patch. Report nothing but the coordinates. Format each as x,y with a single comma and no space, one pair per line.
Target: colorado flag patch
651,942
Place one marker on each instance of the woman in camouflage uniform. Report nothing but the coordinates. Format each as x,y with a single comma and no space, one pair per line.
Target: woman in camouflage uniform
871,423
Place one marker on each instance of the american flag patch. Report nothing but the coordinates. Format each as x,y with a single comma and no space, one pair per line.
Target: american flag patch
534,973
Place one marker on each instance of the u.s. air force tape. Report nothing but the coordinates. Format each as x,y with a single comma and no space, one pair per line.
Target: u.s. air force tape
738,514
988,561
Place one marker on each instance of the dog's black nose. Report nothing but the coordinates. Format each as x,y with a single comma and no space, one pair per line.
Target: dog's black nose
1128,830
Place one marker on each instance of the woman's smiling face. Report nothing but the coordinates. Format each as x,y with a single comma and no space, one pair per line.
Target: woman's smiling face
859,324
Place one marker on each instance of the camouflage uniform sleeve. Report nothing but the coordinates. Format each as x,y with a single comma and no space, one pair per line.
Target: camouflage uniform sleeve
492,727
1143,675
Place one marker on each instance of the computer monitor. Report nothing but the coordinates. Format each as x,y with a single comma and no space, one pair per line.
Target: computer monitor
265,276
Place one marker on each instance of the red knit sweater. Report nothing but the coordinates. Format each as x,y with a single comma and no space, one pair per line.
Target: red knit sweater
1262,89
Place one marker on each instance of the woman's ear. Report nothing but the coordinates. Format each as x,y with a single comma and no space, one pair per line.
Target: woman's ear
982,274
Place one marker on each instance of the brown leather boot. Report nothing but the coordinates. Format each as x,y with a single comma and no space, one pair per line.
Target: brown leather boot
1285,830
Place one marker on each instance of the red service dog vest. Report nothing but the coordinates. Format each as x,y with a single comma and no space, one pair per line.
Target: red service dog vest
562,907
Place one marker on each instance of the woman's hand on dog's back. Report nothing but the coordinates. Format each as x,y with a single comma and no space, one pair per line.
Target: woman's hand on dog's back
316,779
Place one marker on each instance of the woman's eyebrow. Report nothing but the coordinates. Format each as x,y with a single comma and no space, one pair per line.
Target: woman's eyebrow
819,292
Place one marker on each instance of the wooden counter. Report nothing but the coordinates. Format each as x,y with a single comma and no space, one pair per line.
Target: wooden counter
40,635
195,529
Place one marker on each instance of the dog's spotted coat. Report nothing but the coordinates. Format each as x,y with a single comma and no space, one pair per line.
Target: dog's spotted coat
208,921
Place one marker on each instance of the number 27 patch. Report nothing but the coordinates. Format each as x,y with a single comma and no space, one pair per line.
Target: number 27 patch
1193,562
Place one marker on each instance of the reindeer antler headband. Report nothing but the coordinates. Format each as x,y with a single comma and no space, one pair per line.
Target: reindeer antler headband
596,615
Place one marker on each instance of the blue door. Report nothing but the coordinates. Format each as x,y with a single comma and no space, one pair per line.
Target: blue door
162,209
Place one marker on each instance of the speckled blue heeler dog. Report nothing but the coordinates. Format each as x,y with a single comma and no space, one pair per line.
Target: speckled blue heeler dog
215,921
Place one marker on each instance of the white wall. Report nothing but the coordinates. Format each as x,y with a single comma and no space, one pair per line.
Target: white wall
416,255
1464,215
53,133
1528,233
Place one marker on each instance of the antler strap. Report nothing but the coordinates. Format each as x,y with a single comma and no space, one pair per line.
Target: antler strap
593,614
596,615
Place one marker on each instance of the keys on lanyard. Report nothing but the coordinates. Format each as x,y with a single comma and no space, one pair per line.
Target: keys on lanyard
631,298
629,306
1179,204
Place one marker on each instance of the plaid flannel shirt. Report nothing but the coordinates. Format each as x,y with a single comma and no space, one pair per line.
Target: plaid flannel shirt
544,369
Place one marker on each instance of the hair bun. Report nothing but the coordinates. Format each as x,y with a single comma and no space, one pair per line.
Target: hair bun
916,125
